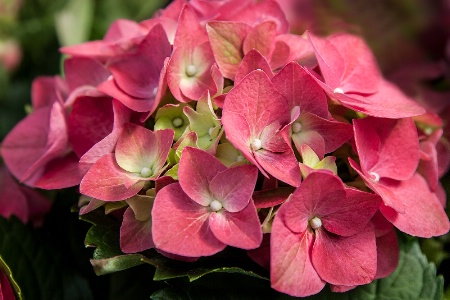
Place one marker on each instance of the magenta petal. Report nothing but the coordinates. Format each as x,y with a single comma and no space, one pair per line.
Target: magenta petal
345,260
90,120
12,200
83,71
291,270
60,173
196,171
180,225
45,91
36,140
423,215
107,181
387,147
233,187
238,229
135,235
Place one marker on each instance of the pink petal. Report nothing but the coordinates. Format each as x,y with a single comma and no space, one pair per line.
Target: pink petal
12,200
36,140
45,91
238,229
301,90
282,165
271,197
60,173
138,73
84,71
190,32
227,40
261,38
135,235
395,142
6,291
107,181
423,215
234,187
291,269
197,170
90,120
345,260
253,60
311,139
387,254
180,225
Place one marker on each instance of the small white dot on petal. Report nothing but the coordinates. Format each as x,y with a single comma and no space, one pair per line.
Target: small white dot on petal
296,127
374,177
191,70
428,130
177,122
256,144
315,223
215,205
146,172
155,90
338,91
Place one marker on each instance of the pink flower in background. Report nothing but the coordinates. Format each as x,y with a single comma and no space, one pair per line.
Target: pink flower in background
322,234
209,208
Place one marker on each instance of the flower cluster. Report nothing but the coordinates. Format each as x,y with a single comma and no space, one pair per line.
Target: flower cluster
213,126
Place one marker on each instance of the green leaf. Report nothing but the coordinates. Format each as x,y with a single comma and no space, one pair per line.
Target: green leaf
36,267
104,236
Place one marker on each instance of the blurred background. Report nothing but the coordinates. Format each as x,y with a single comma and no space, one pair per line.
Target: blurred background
408,37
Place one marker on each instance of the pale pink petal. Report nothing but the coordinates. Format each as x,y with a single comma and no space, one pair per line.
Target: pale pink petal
238,229
233,187
180,225
137,148
106,181
291,269
135,235
196,171
345,260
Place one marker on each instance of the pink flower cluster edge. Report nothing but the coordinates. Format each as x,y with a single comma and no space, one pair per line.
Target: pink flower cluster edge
213,126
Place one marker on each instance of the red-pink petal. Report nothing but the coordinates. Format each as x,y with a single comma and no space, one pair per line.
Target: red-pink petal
253,60
282,165
135,235
60,173
196,171
233,187
388,254
345,260
180,225
105,180
291,269
261,38
238,229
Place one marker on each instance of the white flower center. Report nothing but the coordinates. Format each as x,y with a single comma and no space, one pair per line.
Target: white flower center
256,144
315,223
191,70
374,177
428,130
146,172
215,205
177,122
296,127
155,90
338,91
